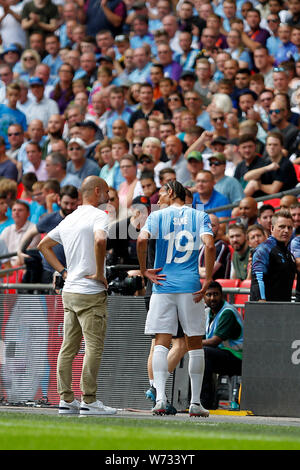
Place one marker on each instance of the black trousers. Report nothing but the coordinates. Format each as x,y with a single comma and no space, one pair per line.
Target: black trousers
217,361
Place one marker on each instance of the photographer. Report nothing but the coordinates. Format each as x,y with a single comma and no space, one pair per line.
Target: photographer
121,243
68,202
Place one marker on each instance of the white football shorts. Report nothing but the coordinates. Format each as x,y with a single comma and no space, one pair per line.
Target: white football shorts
166,309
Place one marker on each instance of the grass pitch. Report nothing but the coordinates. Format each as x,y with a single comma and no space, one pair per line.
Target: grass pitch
22,431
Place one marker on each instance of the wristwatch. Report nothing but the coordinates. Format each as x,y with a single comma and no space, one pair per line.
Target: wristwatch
63,271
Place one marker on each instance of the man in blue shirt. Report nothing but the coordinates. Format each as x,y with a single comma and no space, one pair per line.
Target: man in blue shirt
179,232
141,34
207,197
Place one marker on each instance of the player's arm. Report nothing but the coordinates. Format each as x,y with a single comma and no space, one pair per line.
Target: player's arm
25,242
46,248
142,246
209,257
100,237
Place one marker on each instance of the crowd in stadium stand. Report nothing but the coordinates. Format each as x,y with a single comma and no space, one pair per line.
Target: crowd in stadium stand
142,93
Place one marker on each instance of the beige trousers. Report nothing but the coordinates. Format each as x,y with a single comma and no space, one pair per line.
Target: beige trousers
84,315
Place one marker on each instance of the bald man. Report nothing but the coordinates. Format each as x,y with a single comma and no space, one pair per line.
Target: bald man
83,235
248,211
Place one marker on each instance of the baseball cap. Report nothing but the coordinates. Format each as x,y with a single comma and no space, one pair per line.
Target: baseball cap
141,200
188,73
77,140
36,81
218,156
121,37
11,48
90,124
219,140
143,156
195,155
105,57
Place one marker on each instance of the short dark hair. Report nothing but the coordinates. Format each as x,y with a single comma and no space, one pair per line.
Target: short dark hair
266,207
22,203
69,190
215,285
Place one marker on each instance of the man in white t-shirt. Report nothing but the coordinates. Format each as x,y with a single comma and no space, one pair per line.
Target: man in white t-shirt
83,236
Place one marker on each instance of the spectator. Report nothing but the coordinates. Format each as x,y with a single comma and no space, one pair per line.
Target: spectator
194,103
15,134
277,175
91,136
250,159
148,185
129,172
111,16
37,165
118,109
13,234
223,343
9,114
241,251
247,211
207,197
68,202
142,63
5,220
40,17
222,264
255,236
147,106
295,213
56,167
264,217
176,158
36,134
226,185
43,108
78,164
273,265
63,92
8,169
108,170
194,165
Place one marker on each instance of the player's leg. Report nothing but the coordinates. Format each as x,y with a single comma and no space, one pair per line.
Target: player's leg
196,373
192,319
160,369
161,321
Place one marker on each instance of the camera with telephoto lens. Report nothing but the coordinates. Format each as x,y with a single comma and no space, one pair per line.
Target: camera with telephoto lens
120,283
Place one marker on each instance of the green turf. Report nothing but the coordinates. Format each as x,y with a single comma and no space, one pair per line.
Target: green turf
20,431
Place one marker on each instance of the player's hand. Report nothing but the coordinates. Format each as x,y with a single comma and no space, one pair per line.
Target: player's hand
154,276
98,277
198,296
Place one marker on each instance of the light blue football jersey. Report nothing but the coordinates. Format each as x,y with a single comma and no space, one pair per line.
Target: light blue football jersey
178,231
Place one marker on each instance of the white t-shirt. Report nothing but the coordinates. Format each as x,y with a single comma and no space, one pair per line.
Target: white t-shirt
10,29
76,233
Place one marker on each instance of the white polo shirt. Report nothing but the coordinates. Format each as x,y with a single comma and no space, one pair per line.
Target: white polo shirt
76,233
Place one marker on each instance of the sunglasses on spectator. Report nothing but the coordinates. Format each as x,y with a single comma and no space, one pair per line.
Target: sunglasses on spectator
146,160
220,118
13,133
276,111
136,144
74,148
278,69
272,20
216,163
29,58
174,99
